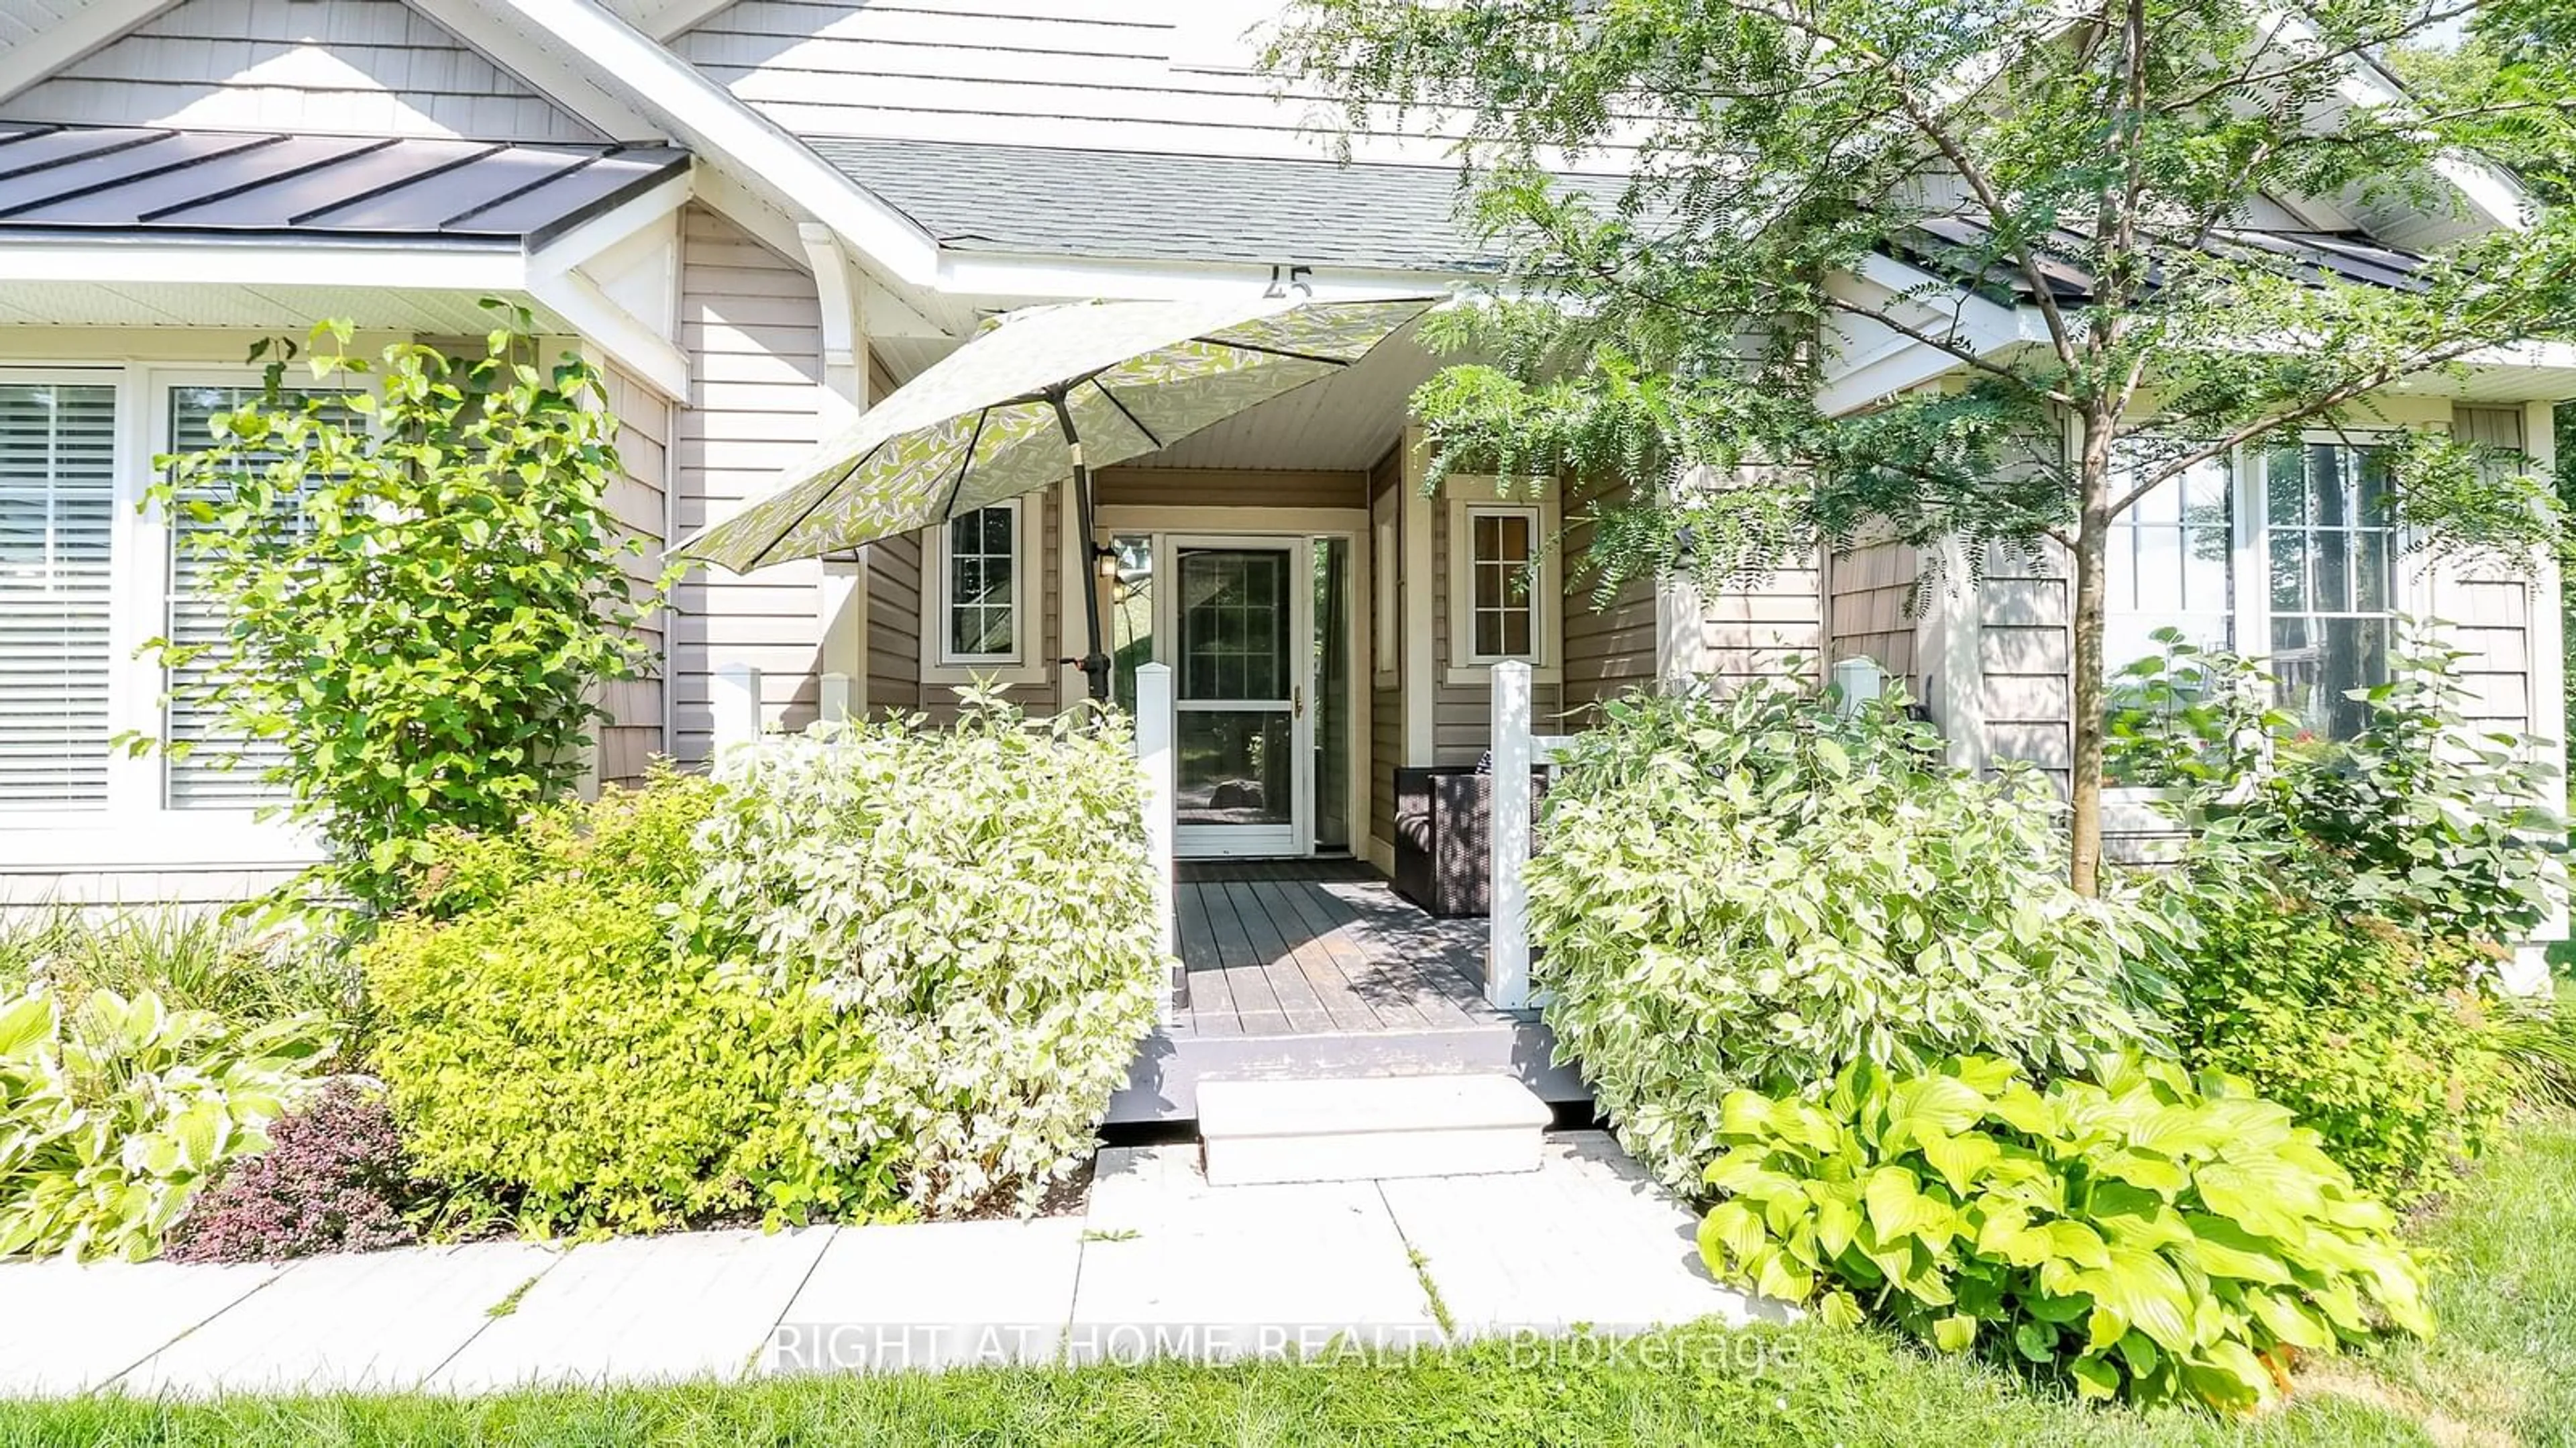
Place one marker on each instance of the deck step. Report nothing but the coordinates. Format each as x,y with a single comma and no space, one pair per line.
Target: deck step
1359,1128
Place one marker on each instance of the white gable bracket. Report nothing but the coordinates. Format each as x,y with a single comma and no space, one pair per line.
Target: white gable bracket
711,120
842,293
616,331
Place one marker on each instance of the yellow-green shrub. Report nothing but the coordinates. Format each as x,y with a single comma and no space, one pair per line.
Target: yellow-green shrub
557,1057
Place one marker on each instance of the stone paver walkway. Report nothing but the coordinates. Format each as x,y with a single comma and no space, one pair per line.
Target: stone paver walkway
1160,1264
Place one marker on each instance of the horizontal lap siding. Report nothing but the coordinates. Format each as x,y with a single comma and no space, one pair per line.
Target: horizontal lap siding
1757,628
1087,73
894,624
1868,618
751,323
347,67
1230,488
628,743
1609,644
2023,611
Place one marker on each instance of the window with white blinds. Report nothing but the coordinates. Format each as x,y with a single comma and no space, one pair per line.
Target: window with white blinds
220,768
57,509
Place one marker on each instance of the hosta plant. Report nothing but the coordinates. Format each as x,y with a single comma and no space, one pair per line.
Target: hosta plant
1756,890
115,1113
2152,1236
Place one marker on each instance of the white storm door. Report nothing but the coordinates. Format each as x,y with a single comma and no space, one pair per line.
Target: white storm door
1241,651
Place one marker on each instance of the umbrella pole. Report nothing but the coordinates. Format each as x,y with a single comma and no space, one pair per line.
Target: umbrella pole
1095,662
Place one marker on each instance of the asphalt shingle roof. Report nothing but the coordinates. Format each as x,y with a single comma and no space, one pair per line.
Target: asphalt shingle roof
1147,206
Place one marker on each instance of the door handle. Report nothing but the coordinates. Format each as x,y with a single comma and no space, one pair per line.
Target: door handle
1297,701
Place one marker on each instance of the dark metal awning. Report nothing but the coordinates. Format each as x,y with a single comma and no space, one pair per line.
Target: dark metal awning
151,183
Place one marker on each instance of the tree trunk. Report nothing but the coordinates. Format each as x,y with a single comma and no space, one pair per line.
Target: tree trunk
2092,552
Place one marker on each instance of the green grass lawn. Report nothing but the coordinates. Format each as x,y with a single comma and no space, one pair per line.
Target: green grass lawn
2503,1371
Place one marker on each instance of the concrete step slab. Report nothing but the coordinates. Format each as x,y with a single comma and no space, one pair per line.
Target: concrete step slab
1368,1128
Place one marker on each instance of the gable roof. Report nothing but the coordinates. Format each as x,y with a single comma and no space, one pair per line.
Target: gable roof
1136,205
154,181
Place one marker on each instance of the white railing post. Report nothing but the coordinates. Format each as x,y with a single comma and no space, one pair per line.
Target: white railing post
734,691
833,706
1154,751
1507,957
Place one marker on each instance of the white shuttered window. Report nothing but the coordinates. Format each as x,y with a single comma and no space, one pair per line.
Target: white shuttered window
57,514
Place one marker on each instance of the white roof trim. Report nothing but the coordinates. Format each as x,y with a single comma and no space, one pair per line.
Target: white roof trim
500,266
707,117
69,39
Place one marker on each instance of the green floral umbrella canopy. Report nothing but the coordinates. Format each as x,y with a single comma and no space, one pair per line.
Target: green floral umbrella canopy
995,418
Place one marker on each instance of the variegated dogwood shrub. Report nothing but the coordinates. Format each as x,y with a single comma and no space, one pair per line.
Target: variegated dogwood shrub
981,900
1759,889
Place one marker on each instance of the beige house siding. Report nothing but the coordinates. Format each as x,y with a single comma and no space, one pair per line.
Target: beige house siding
1756,628
2023,612
1868,617
641,504
751,324
1152,75
345,67
1610,646
894,625
1229,488
2490,610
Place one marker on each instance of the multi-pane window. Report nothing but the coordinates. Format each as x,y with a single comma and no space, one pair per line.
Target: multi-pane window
219,768
1234,614
2328,557
982,574
1501,544
57,507
2308,583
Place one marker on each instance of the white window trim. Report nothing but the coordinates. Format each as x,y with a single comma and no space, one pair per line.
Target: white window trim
1022,666
1538,499
137,831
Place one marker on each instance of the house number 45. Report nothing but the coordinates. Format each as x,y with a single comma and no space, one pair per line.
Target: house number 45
1289,280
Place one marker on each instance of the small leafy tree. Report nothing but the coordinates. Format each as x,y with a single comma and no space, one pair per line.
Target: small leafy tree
423,589
2049,198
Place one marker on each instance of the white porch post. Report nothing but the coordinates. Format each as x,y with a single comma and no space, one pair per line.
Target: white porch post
1154,752
1507,956
734,690
834,701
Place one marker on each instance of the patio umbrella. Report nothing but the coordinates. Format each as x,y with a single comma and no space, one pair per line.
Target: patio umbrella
1037,396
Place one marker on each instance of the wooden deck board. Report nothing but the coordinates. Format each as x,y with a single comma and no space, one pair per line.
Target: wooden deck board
1256,1005
1314,959
1271,947
1321,947
1211,1000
